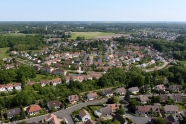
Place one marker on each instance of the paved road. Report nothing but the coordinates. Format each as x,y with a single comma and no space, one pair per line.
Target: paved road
165,63
66,113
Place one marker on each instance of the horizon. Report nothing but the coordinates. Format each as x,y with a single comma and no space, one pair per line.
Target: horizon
94,10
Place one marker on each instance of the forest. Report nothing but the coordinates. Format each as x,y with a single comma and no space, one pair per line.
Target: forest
21,43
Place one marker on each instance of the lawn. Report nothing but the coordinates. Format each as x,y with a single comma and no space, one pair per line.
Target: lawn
89,35
180,107
183,62
42,77
3,53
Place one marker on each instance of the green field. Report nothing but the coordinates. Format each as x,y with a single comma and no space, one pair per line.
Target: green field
89,35
3,53
43,77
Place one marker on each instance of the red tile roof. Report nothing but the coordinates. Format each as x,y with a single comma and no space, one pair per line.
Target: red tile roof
33,108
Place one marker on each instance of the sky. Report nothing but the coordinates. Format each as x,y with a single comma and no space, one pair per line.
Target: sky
93,10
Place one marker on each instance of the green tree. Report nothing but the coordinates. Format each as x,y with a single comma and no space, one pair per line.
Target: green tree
160,121
127,96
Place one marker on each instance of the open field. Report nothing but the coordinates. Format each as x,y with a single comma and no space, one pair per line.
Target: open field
3,53
183,62
89,35
43,77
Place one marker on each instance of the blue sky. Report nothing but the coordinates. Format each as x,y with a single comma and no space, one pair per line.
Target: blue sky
93,10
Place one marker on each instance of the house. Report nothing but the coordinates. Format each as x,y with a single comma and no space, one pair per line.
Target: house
55,81
67,78
47,69
33,109
51,119
164,97
55,103
60,72
133,90
13,112
90,122
176,97
107,92
44,82
84,115
17,86
121,91
73,99
30,83
119,118
143,99
113,106
92,96
9,87
171,109
2,88
170,119
147,109
160,87
174,88
105,111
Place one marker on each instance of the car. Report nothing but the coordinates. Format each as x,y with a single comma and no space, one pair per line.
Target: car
66,121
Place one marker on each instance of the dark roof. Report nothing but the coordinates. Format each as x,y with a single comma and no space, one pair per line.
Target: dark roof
169,118
106,110
107,91
13,112
119,118
54,103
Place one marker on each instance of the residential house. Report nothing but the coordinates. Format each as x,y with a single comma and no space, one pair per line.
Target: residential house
47,69
2,88
84,115
90,122
44,82
60,72
67,78
9,87
107,92
51,119
30,83
113,106
174,88
176,97
92,96
17,86
55,103
160,87
133,90
164,97
55,81
171,109
105,111
37,67
119,118
33,109
147,109
170,119
73,99
143,99
13,112
121,91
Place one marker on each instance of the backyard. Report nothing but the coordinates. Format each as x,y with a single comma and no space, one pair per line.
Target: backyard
3,52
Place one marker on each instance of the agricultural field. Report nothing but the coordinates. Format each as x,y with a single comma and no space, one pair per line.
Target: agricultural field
3,52
89,35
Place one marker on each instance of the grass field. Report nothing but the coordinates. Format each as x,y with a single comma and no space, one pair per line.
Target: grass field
3,53
183,62
89,35
42,77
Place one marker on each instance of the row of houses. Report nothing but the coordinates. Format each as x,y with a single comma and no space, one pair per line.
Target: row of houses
10,87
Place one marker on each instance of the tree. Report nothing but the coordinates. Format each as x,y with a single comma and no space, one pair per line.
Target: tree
160,121
23,81
127,96
115,99
120,110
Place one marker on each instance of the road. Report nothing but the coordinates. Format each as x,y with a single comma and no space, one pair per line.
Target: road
165,63
66,113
